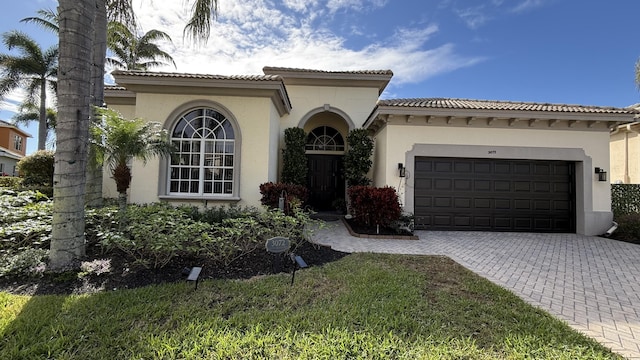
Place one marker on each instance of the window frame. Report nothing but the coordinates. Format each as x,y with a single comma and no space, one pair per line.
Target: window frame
17,142
166,166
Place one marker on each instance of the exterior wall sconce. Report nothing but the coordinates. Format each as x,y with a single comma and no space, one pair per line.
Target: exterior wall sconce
602,174
402,171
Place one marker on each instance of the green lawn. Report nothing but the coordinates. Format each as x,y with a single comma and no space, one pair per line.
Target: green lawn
363,306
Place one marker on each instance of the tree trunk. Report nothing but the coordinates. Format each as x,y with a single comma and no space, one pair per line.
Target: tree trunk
42,118
76,18
93,188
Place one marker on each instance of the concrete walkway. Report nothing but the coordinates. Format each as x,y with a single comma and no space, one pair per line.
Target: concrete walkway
591,283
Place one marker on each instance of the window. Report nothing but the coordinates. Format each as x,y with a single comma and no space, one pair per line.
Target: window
17,142
325,138
205,161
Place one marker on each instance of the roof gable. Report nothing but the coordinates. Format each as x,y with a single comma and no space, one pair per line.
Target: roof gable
131,82
358,78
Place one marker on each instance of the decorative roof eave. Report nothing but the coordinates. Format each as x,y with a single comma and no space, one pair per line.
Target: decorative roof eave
14,128
119,95
252,85
579,114
363,78
9,154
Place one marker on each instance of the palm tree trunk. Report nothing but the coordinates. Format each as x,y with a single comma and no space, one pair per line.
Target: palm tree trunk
42,118
67,240
93,189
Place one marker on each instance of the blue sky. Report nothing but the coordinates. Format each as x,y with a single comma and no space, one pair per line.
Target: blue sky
551,51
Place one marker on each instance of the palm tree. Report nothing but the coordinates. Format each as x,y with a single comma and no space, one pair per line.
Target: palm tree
118,140
29,112
32,69
77,55
133,51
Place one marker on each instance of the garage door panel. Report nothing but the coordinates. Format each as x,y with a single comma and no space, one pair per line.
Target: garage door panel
542,205
522,186
463,167
502,185
442,166
442,202
502,204
482,203
462,184
541,187
522,169
443,184
462,203
482,185
463,221
522,204
442,221
502,168
494,195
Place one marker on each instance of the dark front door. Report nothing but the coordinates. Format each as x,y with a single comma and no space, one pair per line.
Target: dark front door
325,181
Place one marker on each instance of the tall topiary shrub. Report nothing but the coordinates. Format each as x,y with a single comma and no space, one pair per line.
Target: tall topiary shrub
37,168
294,160
357,160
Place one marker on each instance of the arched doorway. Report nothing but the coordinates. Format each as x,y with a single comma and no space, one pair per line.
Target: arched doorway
325,148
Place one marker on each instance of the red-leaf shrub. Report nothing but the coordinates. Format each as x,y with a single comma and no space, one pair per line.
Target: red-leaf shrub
374,206
271,192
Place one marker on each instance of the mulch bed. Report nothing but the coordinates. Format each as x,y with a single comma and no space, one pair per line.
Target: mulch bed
124,275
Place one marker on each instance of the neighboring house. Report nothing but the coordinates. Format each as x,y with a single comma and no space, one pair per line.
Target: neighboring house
625,154
13,146
457,164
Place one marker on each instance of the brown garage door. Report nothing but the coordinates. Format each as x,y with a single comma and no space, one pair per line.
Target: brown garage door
494,195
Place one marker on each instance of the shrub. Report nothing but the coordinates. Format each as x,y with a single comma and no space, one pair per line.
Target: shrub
30,262
294,159
10,182
215,215
297,195
37,168
628,228
25,220
235,238
155,234
357,160
374,206
625,199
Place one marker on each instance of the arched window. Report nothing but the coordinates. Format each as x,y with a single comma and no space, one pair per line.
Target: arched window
206,158
325,138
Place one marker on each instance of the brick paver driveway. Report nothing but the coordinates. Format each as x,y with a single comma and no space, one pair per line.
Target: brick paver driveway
591,283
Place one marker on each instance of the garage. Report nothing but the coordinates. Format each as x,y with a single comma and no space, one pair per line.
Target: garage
475,194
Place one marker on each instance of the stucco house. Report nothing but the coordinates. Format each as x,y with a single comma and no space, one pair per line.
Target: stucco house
625,154
457,164
13,147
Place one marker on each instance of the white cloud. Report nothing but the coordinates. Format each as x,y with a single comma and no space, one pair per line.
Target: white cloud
357,5
527,5
251,34
12,101
474,17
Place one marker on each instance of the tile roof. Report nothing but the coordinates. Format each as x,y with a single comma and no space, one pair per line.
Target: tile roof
196,76
271,69
115,88
445,103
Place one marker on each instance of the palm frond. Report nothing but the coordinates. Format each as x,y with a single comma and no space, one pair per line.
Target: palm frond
47,19
121,11
203,13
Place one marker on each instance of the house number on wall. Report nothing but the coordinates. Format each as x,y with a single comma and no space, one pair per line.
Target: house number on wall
491,152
